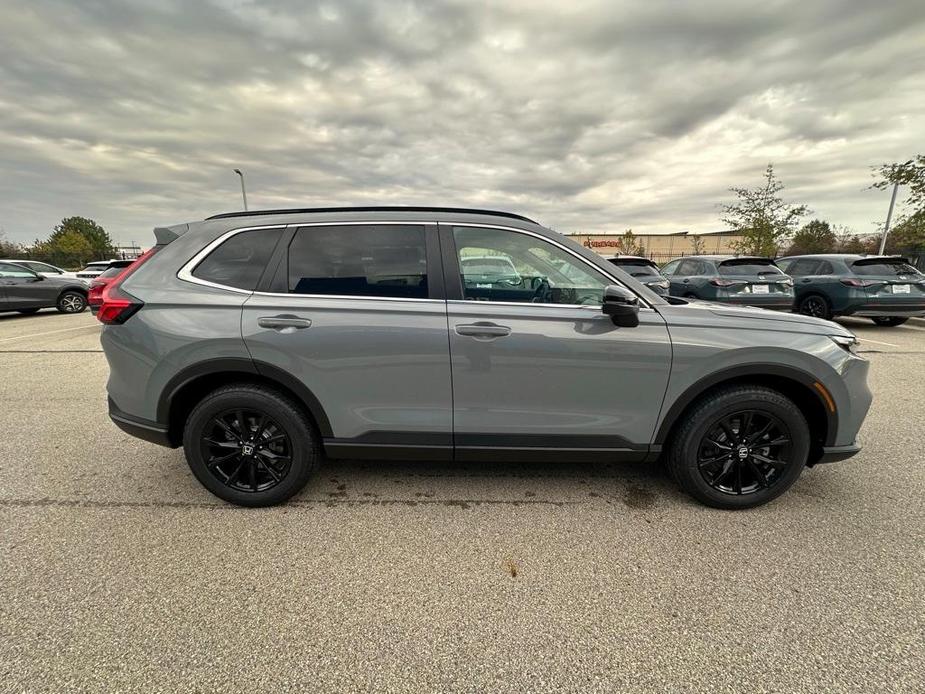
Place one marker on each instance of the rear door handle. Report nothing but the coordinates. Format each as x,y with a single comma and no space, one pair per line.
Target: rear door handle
488,330
284,323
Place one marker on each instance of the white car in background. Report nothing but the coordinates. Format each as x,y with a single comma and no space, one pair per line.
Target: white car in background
43,269
94,269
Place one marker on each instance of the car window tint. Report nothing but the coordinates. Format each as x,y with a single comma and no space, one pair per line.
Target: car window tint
382,260
10,270
669,268
239,261
825,268
689,268
802,267
39,267
113,270
637,269
751,267
884,267
523,269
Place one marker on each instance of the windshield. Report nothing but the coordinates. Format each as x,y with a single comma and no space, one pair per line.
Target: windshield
748,267
883,267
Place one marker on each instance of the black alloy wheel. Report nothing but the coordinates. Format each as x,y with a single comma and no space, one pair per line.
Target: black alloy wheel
251,445
815,306
745,452
739,447
246,450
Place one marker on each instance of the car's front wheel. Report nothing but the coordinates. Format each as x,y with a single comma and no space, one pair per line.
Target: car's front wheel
889,321
71,302
251,445
740,447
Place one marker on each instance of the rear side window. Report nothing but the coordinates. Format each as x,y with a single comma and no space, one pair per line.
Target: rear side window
690,268
748,268
825,268
381,260
114,270
240,260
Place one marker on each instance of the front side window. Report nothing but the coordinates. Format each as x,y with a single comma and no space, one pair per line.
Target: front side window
10,270
239,261
499,265
380,260
669,268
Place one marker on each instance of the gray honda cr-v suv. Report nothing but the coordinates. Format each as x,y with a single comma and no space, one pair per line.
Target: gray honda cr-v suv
265,341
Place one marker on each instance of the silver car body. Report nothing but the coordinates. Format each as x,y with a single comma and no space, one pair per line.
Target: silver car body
408,377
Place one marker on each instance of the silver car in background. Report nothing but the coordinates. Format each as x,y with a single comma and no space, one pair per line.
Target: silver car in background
262,342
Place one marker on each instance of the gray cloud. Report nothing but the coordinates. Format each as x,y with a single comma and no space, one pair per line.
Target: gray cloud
590,116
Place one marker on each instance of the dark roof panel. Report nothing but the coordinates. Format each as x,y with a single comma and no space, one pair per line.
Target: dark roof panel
384,208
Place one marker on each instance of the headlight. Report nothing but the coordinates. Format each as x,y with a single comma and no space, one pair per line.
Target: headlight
848,342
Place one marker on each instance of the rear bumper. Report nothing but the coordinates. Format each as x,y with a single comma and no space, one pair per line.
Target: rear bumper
152,432
834,454
883,309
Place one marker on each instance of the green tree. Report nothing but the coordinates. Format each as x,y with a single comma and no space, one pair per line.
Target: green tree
698,245
9,249
908,235
816,236
910,174
98,240
762,217
629,245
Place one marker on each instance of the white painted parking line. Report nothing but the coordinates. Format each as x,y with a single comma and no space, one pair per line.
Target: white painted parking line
877,342
50,332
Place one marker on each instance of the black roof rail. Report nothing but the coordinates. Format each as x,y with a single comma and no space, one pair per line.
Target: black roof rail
382,208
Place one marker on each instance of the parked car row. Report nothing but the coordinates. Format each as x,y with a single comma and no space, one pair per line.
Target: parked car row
27,286
886,289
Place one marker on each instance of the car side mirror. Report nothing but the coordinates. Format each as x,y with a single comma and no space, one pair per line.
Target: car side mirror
37,278
621,305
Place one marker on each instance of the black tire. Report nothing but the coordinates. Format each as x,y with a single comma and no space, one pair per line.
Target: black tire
206,443
702,468
815,305
28,311
71,302
889,321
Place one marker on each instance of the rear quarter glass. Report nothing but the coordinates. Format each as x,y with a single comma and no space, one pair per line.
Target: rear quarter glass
240,260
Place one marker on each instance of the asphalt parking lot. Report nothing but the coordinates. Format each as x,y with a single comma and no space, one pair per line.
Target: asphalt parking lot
120,572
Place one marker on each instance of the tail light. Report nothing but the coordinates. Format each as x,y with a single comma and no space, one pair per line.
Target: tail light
95,295
117,306
852,282
786,282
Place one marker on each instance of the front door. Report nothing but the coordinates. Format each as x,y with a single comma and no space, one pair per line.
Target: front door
537,367
356,313
23,288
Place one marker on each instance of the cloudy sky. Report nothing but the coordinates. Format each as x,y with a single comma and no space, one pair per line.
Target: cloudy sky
588,116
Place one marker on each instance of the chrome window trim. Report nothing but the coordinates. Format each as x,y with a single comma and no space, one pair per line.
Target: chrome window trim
642,300
186,272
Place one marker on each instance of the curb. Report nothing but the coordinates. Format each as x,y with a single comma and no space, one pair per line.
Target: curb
920,322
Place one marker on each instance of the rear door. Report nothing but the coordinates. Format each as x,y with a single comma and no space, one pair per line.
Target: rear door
537,367
356,312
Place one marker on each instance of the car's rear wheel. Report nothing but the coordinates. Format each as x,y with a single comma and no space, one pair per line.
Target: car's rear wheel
889,321
740,447
815,305
251,445
71,302
28,311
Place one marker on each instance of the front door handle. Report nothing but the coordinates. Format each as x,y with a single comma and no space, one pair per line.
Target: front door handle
285,324
483,330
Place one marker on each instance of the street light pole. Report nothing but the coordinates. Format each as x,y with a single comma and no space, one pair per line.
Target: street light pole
244,192
889,216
